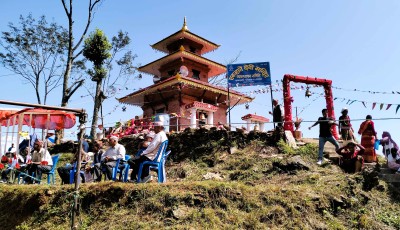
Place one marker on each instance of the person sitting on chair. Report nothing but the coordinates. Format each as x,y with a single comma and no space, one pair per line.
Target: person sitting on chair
110,157
64,171
148,154
149,138
14,163
41,161
98,153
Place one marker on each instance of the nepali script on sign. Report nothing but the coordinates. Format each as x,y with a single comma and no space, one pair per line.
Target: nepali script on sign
249,74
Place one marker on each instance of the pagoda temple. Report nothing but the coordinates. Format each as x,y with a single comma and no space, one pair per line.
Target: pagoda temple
181,83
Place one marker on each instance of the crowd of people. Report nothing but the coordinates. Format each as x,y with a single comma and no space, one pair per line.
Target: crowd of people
132,127
101,162
32,163
353,154
95,162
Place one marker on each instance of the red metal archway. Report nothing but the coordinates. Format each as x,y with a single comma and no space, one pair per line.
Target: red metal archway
287,99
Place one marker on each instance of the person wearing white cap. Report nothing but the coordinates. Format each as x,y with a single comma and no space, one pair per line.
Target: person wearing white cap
346,130
148,154
109,158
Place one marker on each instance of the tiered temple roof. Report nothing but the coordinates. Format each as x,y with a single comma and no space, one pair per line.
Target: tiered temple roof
168,43
184,50
185,85
179,58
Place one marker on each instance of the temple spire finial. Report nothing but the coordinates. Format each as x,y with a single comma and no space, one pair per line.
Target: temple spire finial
184,27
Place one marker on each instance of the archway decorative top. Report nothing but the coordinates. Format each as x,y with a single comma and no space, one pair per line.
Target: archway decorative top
254,117
202,106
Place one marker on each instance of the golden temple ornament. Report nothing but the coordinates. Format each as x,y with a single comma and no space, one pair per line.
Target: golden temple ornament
184,27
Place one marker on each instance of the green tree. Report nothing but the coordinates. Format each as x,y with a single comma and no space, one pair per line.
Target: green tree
104,57
35,50
97,50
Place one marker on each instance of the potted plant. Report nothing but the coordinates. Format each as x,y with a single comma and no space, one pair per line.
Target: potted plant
297,123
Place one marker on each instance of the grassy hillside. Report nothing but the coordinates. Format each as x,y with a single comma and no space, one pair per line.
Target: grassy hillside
257,187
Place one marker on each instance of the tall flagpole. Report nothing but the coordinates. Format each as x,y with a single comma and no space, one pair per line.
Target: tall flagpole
229,108
229,119
272,104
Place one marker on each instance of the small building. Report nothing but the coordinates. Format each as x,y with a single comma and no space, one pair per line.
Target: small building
257,119
182,83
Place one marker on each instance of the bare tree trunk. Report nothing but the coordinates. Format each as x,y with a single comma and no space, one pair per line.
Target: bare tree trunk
73,53
38,96
65,93
98,99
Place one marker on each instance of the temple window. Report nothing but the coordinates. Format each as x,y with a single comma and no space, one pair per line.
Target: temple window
196,74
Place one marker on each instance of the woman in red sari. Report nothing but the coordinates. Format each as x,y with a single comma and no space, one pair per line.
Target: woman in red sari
368,137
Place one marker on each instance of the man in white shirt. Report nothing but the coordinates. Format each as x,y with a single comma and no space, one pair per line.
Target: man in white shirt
41,161
109,158
148,154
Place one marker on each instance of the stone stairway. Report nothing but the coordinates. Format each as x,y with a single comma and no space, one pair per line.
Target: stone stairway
388,175
385,173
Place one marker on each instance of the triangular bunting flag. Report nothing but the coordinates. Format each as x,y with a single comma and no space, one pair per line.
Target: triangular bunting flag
373,105
335,98
388,106
363,102
398,106
352,102
348,102
381,106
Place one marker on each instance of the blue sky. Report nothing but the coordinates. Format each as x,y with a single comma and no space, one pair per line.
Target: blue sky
353,43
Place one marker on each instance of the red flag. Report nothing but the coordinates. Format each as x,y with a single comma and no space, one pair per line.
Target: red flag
373,105
388,106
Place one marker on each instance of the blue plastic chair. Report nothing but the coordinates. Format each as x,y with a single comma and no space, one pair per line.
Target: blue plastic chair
53,168
163,173
157,163
124,173
72,174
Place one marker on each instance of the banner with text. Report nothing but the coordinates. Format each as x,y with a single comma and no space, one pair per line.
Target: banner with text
249,74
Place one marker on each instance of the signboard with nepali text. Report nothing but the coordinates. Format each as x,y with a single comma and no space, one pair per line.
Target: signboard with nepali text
249,74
